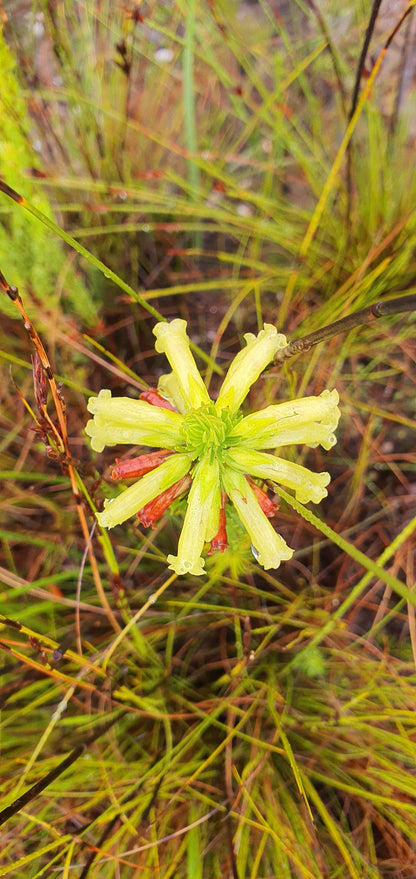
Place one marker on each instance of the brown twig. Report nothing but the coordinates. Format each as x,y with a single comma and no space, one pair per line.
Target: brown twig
44,782
407,67
383,308
356,90
354,99
61,437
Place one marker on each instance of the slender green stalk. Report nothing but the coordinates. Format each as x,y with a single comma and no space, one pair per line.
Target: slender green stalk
191,141
189,94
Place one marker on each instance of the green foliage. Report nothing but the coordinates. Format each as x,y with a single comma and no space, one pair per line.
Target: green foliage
29,254
310,662
250,723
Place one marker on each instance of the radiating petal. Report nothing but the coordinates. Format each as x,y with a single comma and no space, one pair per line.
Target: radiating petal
133,422
310,420
201,519
173,341
135,497
168,386
246,367
270,547
308,486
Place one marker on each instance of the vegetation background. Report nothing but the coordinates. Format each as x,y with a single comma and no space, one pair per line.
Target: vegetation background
229,163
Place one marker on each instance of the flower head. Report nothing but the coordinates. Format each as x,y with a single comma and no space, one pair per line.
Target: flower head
209,451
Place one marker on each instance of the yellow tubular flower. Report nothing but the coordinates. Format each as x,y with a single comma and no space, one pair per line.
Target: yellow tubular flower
201,519
149,487
307,485
168,386
133,422
209,448
173,341
247,366
310,420
269,547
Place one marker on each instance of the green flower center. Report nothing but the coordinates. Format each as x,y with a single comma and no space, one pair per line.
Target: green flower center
206,432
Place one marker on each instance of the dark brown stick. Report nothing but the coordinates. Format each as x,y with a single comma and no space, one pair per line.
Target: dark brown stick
383,308
47,779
